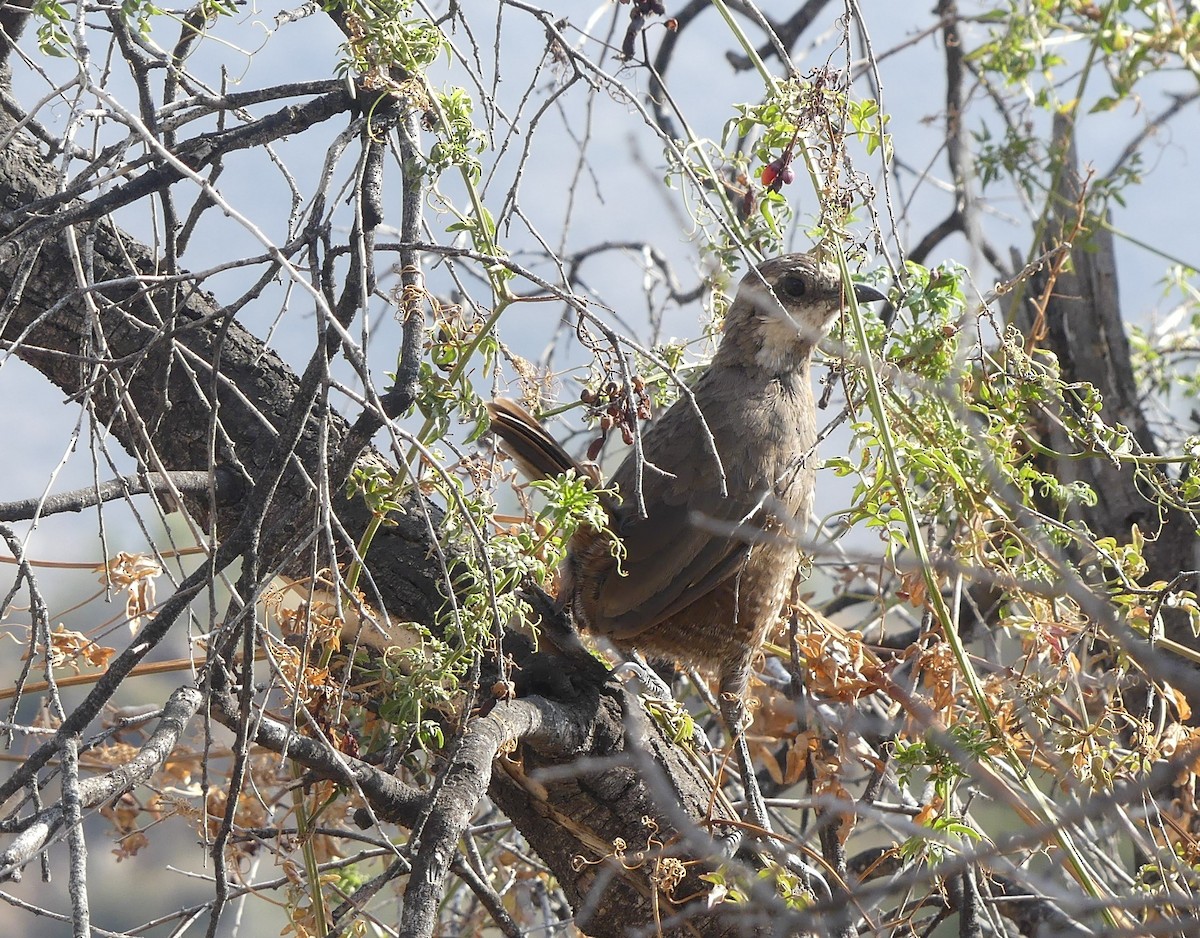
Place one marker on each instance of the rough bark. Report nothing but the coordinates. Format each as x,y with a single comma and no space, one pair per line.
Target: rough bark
1085,331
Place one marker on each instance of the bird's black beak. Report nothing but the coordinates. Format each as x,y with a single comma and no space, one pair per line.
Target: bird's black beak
867,294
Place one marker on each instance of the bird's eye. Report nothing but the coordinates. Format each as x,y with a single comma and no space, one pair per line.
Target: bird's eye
792,286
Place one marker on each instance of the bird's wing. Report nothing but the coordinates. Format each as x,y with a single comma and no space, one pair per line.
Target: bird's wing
681,550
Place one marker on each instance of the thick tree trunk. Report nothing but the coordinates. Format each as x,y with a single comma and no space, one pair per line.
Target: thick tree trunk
1085,331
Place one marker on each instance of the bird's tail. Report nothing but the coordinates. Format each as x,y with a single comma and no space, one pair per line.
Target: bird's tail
537,454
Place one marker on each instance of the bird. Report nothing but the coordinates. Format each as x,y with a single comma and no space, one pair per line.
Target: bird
709,531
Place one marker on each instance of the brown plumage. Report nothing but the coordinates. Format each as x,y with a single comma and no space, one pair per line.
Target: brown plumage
707,571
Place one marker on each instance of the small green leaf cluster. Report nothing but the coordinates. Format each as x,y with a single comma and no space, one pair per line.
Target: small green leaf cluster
1017,156
873,502
933,306
481,227
459,143
383,38
1133,38
790,886
1126,561
572,502
445,394
420,679
443,401
52,17
378,485
214,8
52,36
484,576
1135,46
868,121
673,717
941,766
1016,49
773,125
934,848
140,12
488,572
1173,876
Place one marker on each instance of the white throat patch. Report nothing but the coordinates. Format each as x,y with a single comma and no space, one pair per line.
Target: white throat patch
781,334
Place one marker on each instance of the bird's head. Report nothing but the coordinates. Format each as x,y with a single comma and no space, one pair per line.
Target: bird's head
782,309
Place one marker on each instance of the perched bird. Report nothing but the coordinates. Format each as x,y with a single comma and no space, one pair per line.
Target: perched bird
725,482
